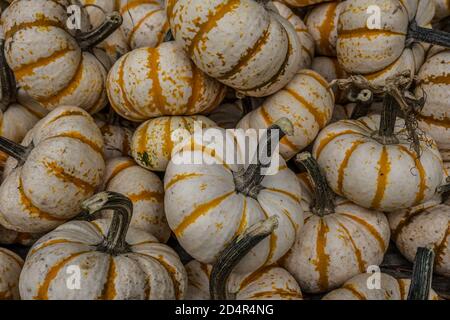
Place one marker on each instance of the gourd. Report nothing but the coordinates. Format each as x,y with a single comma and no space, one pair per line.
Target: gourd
59,164
241,43
339,239
39,46
153,82
322,22
380,51
118,262
307,101
330,69
303,3
145,23
210,198
433,82
146,192
427,225
155,140
13,237
10,267
305,38
416,288
370,162
117,139
442,9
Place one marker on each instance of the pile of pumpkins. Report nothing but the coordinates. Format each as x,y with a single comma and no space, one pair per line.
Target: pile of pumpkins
93,179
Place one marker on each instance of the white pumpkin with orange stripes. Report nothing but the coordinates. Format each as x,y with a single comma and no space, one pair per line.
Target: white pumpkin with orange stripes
322,23
60,165
146,192
39,47
155,140
391,289
339,239
330,69
241,43
117,139
442,9
145,23
210,197
380,51
305,38
117,262
376,173
433,81
268,283
426,225
307,101
10,268
152,82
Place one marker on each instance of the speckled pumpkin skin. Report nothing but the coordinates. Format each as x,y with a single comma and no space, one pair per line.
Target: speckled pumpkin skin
10,268
117,139
38,47
322,22
155,140
149,271
12,237
332,249
152,82
423,226
383,48
270,283
391,289
205,211
305,38
433,81
307,101
146,192
373,175
240,42
144,22
63,169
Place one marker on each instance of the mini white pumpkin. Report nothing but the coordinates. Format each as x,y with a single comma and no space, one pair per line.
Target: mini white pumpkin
60,165
118,263
13,237
211,200
307,101
117,139
10,268
155,140
146,192
152,82
241,43
339,239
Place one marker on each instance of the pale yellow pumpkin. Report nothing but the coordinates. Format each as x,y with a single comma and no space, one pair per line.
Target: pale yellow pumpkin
10,268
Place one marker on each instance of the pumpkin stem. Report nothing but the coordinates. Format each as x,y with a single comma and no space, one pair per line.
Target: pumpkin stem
91,38
8,82
248,181
233,254
15,150
122,207
323,196
363,100
431,36
385,134
422,274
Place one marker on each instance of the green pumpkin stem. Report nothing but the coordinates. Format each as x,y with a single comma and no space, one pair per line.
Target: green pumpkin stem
248,181
431,36
122,207
323,195
233,254
385,134
87,40
15,150
422,274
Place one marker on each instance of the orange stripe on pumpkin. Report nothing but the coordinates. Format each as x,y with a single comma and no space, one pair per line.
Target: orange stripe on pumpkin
322,262
181,177
109,288
371,229
344,164
382,180
420,195
59,172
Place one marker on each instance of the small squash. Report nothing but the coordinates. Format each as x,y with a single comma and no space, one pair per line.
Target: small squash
155,140
10,268
13,237
59,165
211,197
118,262
307,101
339,239
153,82
117,139
426,225
146,192
242,43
